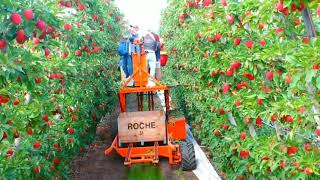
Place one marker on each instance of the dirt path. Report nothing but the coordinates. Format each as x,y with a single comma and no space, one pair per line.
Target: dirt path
96,166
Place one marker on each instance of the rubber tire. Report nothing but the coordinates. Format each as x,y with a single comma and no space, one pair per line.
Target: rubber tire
188,156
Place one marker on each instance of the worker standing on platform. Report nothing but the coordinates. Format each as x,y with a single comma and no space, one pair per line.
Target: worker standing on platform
133,35
158,71
125,58
150,46
131,48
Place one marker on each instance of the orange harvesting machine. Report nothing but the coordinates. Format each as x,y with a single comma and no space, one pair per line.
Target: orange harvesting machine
146,135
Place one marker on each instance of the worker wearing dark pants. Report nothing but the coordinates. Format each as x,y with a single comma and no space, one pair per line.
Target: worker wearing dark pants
150,46
158,71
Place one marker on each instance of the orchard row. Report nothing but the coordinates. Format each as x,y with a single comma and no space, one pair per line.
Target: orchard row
252,85
57,79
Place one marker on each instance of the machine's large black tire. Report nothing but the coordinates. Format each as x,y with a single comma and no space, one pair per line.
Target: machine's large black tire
188,156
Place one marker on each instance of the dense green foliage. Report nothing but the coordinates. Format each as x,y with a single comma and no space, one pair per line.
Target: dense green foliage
250,76
57,78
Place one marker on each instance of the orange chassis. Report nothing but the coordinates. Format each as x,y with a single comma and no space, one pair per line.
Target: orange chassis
175,130
151,154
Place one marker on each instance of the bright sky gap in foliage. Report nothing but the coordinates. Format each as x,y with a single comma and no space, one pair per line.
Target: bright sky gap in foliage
144,13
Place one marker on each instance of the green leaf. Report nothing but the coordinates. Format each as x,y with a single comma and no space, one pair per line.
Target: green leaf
287,3
318,82
1,133
295,80
19,68
310,75
3,58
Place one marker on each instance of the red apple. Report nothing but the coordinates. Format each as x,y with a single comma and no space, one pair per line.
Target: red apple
206,3
217,37
229,73
29,131
36,41
16,18
223,2
244,154
246,120
296,22
59,76
269,75
230,19
67,27
282,164
10,152
5,135
16,102
237,103
210,14
307,147
37,145
21,36
237,41
261,26
258,120
181,18
308,171
52,168
41,25
47,52
68,4
249,44
262,42
81,7
279,30
36,170
225,126
243,135
50,29
305,40
226,88
95,17
28,14
280,6
56,145
56,161
69,140
45,118
70,130
78,53
318,132
3,43
217,132
288,79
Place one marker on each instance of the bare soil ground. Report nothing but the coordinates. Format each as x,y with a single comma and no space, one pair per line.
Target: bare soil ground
94,165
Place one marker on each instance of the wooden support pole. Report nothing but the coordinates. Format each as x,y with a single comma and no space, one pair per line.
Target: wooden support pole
308,23
311,32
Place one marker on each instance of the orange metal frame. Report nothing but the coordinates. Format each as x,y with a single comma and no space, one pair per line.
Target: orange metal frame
175,131
147,154
150,154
